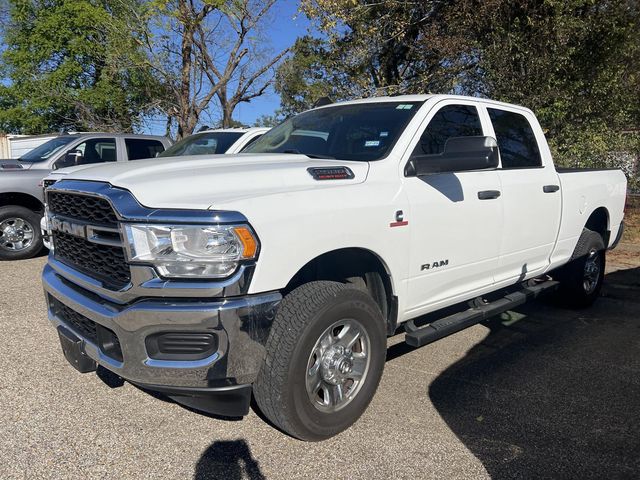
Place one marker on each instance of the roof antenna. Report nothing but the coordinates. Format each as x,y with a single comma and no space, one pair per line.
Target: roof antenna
204,128
322,101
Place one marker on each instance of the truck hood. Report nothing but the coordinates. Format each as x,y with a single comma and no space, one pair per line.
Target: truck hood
198,182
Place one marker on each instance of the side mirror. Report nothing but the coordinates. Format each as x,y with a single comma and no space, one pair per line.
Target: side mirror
70,159
461,154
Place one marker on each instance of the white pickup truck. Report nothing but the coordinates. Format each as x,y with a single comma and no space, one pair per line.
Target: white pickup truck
280,272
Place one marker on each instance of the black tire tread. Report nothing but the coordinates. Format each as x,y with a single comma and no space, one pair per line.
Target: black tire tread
292,317
571,293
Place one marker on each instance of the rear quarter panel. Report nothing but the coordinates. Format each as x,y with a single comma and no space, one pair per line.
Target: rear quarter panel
582,193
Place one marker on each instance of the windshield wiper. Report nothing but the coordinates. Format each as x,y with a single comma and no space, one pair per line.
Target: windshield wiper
310,155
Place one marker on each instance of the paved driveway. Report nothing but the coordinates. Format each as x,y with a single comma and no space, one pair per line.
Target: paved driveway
547,393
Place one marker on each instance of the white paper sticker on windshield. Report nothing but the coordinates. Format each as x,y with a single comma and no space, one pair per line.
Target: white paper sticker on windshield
372,143
384,134
404,106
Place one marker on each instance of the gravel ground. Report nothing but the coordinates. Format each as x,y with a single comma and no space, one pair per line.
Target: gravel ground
546,393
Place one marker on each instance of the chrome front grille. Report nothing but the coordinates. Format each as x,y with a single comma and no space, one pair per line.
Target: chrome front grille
89,209
75,219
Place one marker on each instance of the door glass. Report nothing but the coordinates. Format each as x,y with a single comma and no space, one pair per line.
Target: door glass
450,121
96,150
138,148
516,140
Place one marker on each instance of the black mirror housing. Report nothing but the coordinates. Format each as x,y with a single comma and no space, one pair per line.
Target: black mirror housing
461,154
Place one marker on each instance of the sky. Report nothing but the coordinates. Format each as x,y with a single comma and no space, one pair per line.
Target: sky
286,26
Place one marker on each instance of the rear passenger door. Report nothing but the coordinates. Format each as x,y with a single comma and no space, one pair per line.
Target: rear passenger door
455,232
530,192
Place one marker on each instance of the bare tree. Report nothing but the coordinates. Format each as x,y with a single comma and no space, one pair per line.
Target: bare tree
206,49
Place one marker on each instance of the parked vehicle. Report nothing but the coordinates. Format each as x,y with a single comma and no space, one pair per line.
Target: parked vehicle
214,142
21,181
208,142
281,272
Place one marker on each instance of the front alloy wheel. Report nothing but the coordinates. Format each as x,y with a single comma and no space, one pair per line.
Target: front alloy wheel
20,235
16,234
338,365
324,359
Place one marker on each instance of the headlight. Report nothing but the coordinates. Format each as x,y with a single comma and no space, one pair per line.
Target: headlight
191,250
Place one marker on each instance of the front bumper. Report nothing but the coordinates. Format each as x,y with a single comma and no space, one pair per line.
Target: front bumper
241,325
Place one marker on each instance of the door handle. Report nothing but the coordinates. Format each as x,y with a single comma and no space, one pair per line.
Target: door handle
550,188
488,194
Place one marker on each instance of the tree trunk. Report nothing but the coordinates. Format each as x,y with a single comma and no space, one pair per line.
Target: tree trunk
227,115
186,108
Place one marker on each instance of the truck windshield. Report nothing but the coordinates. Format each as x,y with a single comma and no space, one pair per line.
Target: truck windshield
362,131
206,143
47,149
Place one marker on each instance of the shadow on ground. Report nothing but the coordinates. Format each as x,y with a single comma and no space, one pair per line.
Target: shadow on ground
228,460
555,394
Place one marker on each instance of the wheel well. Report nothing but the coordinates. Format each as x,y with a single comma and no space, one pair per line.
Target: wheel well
359,267
22,200
599,222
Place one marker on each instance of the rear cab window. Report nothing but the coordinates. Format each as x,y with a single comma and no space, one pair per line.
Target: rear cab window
139,148
516,140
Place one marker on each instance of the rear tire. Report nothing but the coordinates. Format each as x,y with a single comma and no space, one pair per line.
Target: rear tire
581,279
20,235
324,358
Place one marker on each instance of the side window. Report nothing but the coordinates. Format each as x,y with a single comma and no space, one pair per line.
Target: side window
96,150
516,140
449,121
139,148
251,142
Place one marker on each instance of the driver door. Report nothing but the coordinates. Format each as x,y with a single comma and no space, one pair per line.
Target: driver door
455,218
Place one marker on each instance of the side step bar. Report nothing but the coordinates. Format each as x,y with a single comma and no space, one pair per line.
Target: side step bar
418,336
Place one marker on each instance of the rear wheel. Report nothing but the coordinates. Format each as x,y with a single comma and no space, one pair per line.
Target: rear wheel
581,279
20,235
325,356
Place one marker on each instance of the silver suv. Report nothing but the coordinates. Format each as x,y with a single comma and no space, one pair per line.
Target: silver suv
21,201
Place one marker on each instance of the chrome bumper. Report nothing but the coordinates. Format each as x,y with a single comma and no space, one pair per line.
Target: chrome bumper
241,324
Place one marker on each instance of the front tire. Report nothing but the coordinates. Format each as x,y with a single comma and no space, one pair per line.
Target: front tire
324,358
20,235
581,279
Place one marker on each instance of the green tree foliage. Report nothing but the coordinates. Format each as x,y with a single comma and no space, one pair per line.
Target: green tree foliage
371,47
309,73
71,64
576,63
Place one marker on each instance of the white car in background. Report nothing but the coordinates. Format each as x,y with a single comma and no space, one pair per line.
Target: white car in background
207,142
215,142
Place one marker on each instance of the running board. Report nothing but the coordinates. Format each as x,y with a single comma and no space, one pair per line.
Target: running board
418,336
